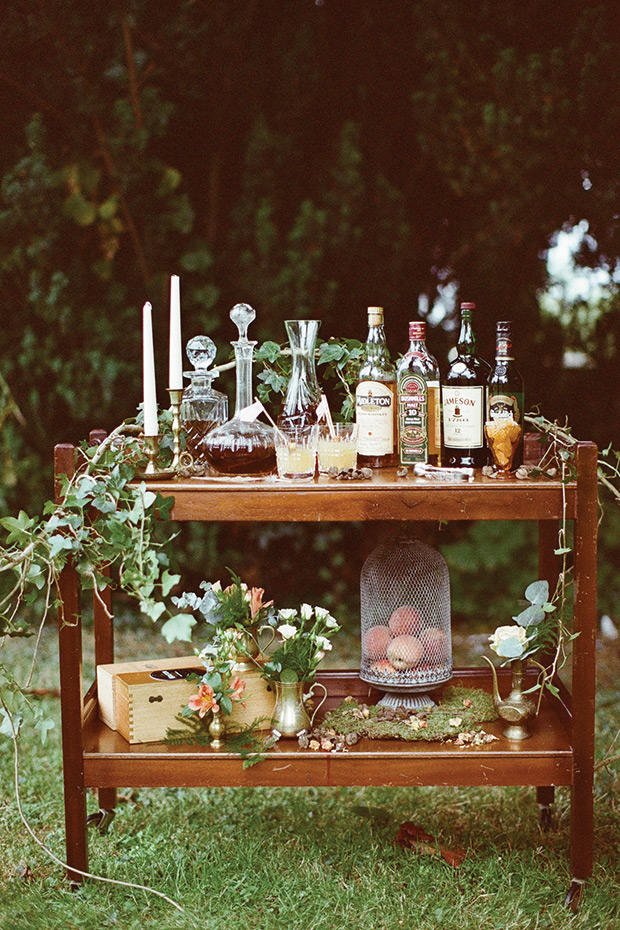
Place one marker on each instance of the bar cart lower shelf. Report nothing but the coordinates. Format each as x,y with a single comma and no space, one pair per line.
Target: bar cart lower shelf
544,759
560,751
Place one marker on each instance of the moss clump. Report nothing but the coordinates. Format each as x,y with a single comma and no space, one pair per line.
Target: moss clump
471,705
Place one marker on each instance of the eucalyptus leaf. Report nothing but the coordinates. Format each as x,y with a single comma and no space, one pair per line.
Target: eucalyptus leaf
510,648
537,592
531,616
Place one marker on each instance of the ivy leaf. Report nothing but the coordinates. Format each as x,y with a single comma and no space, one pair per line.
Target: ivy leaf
269,350
275,381
154,610
531,616
537,592
564,551
168,582
58,543
178,627
43,726
331,352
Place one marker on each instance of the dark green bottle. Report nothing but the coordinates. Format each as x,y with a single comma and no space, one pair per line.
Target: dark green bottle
463,401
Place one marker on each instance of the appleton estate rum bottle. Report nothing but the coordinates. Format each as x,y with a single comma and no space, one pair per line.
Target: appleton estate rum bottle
419,409
463,400
375,398
505,396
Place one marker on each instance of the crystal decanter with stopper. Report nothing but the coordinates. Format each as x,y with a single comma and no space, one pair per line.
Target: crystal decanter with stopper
202,407
303,394
242,446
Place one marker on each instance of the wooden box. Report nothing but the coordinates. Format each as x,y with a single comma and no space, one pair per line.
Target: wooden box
142,699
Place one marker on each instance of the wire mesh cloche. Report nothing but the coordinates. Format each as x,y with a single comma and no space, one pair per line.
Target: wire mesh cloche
405,615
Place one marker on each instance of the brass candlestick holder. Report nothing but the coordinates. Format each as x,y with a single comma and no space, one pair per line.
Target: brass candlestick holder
176,396
151,472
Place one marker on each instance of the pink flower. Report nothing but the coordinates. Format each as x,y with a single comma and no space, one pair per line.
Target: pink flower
204,701
238,688
256,601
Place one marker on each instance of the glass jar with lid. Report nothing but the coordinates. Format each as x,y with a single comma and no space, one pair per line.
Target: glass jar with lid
202,407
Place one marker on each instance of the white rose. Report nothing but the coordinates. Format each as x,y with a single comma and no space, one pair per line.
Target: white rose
331,622
504,633
287,630
306,611
320,656
288,613
323,643
321,612
216,586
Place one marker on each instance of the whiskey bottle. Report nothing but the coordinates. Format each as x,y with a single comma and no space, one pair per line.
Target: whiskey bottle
505,396
463,400
419,409
375,398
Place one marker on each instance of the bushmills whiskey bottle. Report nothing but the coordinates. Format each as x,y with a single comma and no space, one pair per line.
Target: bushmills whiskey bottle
375,398
505,397
419,408
464,402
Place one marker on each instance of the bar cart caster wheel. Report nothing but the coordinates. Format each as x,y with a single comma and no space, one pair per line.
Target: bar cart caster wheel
573,897
101,820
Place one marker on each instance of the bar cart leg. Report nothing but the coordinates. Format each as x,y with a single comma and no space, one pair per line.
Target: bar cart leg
71,705
545,796
548,568
584,657
104,655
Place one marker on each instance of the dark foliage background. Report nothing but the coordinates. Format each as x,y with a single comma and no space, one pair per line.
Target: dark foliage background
310,159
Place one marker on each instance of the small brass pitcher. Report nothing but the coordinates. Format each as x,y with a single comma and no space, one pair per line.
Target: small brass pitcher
290,716
517,708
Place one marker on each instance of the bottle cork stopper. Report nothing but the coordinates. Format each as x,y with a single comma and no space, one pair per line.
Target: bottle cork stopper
375,316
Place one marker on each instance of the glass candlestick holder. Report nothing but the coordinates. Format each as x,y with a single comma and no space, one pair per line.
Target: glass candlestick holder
152,472
176,396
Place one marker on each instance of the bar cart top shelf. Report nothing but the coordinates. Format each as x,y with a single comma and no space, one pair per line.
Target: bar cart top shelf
383,497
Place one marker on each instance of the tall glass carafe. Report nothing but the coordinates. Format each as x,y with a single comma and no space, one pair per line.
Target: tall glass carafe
303,394
202,407
243,446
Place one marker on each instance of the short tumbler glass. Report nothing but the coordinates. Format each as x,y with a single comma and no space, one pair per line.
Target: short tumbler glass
337,448
296,451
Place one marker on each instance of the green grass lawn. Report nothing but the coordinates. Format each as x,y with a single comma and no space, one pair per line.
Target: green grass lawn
302,858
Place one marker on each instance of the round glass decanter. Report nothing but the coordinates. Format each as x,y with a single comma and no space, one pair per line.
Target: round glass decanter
202,407
241,446
303,393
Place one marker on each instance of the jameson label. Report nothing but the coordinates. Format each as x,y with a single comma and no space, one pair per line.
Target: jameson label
463,416
412,419
434,418
501,406
374,415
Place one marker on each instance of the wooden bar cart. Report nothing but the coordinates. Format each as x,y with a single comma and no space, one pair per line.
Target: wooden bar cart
559,753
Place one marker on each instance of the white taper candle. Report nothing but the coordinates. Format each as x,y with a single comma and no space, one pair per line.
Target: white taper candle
175,361
148,373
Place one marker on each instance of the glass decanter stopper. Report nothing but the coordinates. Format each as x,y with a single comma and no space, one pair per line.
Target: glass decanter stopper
202,407
240,447
303,393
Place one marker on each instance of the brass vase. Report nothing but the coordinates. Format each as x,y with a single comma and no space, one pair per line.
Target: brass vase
217,728
516,709
290,715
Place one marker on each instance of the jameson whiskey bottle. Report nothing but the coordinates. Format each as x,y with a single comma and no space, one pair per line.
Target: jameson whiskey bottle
505,397
419,410
463,401
375,398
